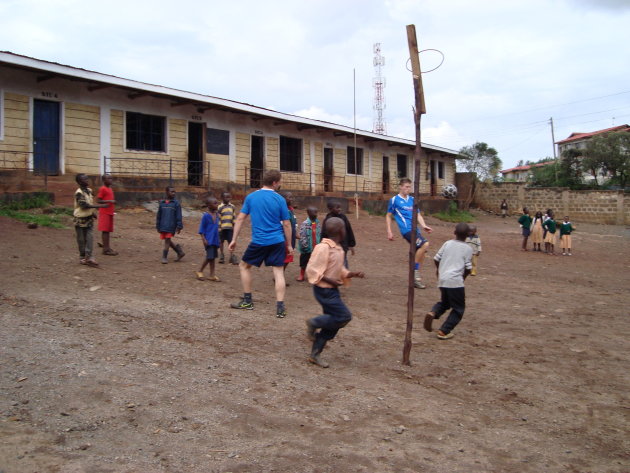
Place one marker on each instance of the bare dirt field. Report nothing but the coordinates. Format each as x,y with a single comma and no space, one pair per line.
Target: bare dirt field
138,367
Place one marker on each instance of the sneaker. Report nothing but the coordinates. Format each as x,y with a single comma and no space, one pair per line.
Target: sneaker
164,260
242,305
418,284
316,360
428,321
281,313
310,331
222,259
569,254
444,336
564,254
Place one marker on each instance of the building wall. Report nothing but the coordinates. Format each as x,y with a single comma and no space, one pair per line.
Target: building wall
16,131
590,206
82,139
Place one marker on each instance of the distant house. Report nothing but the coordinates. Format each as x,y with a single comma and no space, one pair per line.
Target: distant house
521,173
579,140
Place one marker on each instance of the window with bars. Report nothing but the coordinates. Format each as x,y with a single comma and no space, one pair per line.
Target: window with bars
145,132
355,161
290,154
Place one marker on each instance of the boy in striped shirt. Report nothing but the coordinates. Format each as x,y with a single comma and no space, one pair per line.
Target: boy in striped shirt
227,212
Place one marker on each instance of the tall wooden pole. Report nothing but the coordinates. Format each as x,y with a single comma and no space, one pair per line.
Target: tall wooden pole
419,109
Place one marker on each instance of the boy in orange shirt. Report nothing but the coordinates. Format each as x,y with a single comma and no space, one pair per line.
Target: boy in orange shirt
326,271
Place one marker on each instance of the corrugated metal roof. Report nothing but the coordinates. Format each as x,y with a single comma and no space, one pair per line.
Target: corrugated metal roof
96,78
526,167
577,136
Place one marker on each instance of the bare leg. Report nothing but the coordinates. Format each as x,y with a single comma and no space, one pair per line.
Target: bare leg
204,264
246,276
211,263
106,241
278,275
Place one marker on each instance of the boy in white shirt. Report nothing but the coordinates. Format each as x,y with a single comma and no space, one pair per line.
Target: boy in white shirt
453,262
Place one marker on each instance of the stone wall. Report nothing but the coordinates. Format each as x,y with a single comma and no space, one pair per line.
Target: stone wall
589,206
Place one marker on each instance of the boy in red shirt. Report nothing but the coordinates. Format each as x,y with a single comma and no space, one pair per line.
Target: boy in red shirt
106,215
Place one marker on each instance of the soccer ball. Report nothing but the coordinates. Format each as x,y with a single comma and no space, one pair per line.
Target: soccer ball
449,191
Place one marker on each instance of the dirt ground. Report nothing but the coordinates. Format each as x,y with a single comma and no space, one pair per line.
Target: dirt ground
138,367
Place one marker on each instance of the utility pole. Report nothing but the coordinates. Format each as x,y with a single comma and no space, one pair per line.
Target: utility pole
553,144
418,110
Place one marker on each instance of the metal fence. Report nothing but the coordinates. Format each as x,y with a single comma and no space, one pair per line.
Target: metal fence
314,183
21,162
136,170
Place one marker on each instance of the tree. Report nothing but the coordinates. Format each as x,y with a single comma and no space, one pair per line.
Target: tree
570,169
610,153
482,160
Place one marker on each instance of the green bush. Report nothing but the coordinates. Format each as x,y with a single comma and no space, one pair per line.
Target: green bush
453,214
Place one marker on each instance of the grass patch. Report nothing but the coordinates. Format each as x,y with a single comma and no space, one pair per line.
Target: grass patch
453,214
28,210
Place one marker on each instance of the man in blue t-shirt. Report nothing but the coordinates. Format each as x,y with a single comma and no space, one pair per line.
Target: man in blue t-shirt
401,208
271,239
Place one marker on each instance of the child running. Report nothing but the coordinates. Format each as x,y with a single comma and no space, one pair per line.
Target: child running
565,236
525,222
84,215
348,242
227,212
453,263
209,231
474,242
537,231
169,222
106,215
550,240
326,272
310,235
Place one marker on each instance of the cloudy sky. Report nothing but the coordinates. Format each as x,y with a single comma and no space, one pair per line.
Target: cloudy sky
510,65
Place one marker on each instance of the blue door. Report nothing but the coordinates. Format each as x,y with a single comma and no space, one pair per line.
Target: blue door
46,138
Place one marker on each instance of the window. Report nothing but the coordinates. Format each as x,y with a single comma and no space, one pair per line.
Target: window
401,163
440,170
355,166
146,132
290,154
217,141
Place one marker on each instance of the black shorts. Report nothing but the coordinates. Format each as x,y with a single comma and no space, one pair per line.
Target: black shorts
271,255
226,234
212,252
420,240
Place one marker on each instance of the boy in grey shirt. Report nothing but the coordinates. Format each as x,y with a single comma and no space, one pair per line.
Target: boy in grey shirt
453,262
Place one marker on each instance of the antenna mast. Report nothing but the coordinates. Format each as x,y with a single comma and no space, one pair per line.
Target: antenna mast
378,82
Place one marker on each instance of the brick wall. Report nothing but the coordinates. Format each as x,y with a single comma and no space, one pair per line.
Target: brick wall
591,206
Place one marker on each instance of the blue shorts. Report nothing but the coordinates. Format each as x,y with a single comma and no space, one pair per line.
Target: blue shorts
420,240
526,232
212,251
272,255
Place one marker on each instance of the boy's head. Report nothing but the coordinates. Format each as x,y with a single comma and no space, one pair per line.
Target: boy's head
311,211
472,230
225,197
288,197
525,210
404,186
272,179
170,192
82,180
461,231
335,229
334,207
566,218
212,203
107,180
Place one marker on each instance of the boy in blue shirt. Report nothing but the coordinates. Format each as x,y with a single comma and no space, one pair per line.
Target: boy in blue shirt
271,239
401,208
168,222
209,231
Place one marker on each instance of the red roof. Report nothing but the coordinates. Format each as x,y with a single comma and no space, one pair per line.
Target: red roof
576,136
526,167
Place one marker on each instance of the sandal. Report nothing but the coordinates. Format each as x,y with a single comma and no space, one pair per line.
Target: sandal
214,278
200,276
82,261
110,252
92,263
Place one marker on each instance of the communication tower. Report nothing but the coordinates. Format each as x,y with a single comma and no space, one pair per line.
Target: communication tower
378,83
